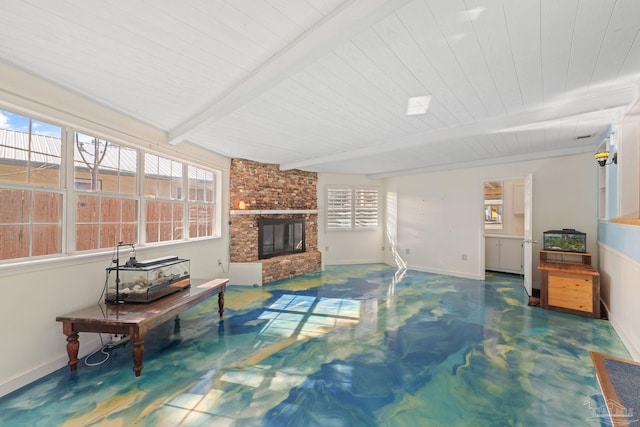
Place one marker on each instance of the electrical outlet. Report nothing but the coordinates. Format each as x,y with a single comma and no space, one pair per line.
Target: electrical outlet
407,251
464,257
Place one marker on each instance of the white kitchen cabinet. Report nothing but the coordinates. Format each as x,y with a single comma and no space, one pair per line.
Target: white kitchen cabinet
503,253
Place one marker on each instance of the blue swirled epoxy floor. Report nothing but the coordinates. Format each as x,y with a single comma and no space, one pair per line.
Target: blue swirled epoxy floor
360,345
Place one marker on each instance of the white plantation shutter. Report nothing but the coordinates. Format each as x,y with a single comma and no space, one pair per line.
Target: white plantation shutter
352,208
366,207
339,208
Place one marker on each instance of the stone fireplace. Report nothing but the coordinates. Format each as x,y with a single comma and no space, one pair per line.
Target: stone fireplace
262,193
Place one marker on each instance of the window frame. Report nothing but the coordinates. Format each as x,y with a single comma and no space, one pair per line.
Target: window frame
36,147
108,189
68,189
627,171
200,204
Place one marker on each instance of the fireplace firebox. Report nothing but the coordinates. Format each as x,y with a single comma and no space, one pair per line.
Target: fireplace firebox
280,236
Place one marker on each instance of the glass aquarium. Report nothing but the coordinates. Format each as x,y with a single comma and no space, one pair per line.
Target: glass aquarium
145,281
565,240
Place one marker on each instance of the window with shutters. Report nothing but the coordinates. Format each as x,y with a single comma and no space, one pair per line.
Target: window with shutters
352,208
366,207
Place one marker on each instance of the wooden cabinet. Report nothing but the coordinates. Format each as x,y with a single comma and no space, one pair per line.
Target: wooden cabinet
503,253
569,283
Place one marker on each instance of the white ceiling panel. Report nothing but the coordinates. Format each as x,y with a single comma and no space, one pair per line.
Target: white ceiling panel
587,43
407,63
490,27
523,20
323,85
456,22
558,25
418,19
622,33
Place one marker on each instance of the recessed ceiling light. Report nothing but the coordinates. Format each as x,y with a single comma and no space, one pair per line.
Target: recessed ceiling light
418,105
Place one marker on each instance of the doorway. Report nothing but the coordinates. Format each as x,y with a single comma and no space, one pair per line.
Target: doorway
507,210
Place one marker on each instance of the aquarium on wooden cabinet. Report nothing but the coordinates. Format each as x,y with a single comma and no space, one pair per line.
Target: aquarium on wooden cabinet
565,240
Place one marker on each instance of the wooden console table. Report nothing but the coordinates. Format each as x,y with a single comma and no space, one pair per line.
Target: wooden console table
569,285
135,319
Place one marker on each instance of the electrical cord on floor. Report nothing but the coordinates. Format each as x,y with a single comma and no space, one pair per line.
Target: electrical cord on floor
100,350
103,349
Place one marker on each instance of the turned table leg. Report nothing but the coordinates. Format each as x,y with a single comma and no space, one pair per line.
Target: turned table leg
138,352
221,301
73,345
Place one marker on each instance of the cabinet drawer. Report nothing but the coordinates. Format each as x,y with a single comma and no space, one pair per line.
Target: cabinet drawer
570,290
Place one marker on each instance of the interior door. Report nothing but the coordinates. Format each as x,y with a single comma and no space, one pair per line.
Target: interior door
527,243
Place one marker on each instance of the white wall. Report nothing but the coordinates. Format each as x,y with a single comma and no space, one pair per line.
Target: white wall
621,293
34,294
348,247
440,214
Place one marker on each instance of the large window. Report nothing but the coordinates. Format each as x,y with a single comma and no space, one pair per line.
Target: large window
64,191
105,184
30,187
165,200
163,183
201,202
351,208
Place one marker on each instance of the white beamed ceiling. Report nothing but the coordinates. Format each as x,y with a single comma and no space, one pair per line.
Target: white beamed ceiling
323,85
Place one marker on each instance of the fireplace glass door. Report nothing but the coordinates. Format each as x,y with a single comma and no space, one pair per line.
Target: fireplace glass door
281,236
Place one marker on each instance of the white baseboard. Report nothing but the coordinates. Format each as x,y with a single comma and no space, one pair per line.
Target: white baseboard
22,380
355,261
631,348
622,270
446,272
32,375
